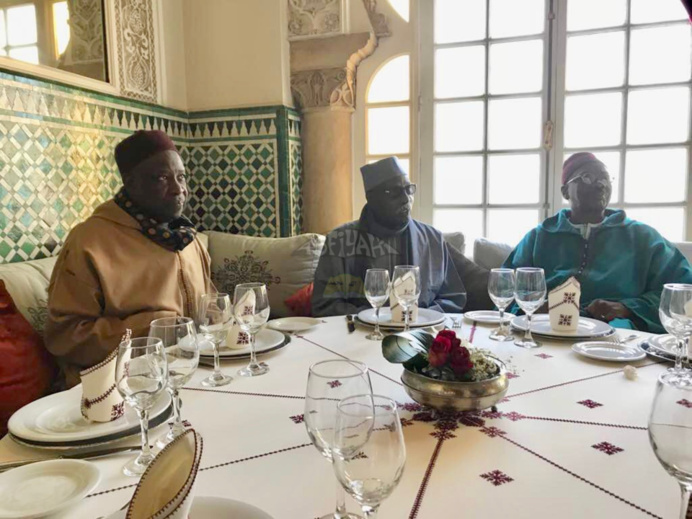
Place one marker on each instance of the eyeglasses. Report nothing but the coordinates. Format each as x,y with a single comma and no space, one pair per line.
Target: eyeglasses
590,179
395,192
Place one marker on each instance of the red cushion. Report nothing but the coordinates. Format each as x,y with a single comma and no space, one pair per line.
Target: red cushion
299,303
27,369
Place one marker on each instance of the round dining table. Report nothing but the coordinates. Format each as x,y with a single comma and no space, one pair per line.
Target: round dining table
569,440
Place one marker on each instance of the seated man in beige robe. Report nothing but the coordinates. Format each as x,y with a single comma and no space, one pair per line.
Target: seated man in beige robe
134,260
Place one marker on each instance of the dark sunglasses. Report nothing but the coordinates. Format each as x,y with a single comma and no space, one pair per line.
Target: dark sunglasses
395,192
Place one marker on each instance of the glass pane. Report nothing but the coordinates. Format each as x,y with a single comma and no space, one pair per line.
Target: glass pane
510,225
3,36
514,179
516,67
61,26
593,120
388,130
401,7
28,54
468,221
458,180
660,55
391,82
656,176
658,115
612,161
459,21
459,126
460,72
669,221
516,17
593,14
514,124
21,25
595,61
405,164
647,11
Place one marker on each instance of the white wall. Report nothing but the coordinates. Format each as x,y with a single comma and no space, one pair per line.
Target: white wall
236,53
172,54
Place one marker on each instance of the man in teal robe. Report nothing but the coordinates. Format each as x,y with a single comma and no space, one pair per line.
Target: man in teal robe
621,264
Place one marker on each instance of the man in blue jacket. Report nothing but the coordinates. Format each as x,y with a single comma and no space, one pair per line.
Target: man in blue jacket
621,264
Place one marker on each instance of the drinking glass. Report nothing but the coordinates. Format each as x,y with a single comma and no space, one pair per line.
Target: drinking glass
530,294
670,431
215,319
329,382
675,312
376,292
501,285
251,308
369,452
140,376
406,289
179,340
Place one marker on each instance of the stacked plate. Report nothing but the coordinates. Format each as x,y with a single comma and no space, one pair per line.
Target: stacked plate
426,318
265,341
661,347
56,422
586,329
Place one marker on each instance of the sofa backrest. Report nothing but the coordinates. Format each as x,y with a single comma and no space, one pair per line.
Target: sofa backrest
27,283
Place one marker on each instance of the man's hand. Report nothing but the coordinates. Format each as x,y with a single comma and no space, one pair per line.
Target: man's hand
607,310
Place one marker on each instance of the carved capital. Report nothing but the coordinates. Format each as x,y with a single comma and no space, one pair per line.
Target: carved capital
377,20
314,17
333,87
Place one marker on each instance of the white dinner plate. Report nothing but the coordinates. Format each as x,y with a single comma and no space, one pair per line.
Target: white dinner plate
426,317
609,351
488,317
586,329
265,341
45,487
666,344
293,324
215,508
57,419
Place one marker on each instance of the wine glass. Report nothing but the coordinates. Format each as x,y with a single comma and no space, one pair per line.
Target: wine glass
377,292
530,294
406,289
215,318
179,340
501,285
140,376
369,452
329,382
671,323
670,431
251,308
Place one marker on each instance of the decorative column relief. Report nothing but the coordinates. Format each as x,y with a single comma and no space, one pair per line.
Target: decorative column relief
314,18
377,20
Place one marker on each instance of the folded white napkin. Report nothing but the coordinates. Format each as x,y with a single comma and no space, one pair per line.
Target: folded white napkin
247,303
101,401
563,306
166,489
237,339
406,284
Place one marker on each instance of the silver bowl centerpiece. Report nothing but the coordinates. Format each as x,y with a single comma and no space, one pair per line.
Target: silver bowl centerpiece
444,372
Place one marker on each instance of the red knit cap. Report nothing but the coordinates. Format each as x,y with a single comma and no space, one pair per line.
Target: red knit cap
139,146
577,162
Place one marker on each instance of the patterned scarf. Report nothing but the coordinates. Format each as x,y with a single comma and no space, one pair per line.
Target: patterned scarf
174,235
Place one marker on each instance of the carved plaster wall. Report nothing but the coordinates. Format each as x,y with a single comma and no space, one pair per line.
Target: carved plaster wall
314,18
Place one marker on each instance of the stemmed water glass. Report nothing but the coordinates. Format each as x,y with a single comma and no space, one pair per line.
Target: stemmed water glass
329,382
376,292
530,294
179,340
670,431
215,319
501,285
251,309
675,312
406,289
369,452
140,376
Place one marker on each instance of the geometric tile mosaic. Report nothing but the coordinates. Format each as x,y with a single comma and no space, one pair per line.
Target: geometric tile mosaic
57,166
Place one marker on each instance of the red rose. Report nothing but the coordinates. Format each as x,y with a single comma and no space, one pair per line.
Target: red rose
452,336
460,361
439,351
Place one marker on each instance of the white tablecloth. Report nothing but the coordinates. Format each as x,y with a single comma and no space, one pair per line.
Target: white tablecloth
570,441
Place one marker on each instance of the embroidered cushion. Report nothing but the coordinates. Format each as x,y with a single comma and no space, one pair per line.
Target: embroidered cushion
28,284
285,265
490,254
300,303
27,369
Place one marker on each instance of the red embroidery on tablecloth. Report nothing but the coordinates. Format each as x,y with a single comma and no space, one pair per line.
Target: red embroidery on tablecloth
405,422
514,416
607,448
489,413
410,406
443,434
544,356
590,404
685,403
497,477
334,384
512,375
426,478
492,431
473,332
299,418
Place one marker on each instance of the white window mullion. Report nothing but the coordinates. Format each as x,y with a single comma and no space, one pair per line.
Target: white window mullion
426,109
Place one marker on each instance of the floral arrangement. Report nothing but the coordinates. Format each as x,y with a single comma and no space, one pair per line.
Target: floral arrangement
441,357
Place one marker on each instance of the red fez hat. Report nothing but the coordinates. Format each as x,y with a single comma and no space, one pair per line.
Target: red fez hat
139,146
577,163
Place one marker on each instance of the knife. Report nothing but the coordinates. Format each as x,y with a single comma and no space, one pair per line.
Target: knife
350,324
77,456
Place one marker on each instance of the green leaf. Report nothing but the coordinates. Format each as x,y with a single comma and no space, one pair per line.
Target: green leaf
405,346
